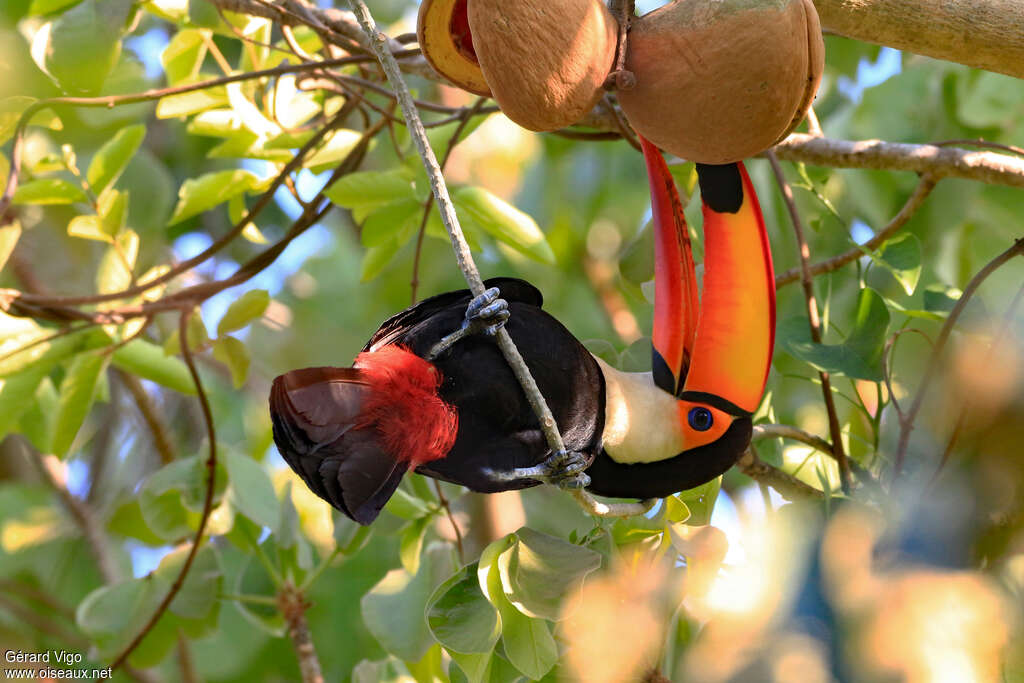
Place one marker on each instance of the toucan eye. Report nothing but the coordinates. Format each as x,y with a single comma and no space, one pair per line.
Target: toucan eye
700,419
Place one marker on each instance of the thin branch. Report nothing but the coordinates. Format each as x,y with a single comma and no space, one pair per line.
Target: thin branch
913,203
211,470
787,485
446,506
464,119
907,422
835,430
378,42
292,604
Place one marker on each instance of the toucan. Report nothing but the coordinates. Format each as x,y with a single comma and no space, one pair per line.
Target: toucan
431,392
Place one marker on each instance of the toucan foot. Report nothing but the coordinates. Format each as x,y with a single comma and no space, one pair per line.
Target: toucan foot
485,315
564,469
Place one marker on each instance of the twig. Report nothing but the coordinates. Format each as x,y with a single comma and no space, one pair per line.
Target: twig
907,421
463,256
211,470
293,605
186,667
814,322
913,203
446,506
787,485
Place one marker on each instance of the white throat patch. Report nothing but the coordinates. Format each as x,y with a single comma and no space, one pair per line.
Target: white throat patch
641,421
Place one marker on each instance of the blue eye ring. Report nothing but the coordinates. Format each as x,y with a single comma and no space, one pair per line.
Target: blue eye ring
700,419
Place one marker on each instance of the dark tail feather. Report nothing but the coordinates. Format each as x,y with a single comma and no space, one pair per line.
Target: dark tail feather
315,412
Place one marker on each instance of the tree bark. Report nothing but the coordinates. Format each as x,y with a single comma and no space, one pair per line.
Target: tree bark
987,34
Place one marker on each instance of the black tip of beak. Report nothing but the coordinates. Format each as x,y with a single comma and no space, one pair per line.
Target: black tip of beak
721,187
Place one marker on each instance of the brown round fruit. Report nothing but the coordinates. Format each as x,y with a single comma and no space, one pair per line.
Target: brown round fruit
442,29
545,61
722,80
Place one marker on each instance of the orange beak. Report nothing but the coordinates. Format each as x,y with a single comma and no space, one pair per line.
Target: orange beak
717,351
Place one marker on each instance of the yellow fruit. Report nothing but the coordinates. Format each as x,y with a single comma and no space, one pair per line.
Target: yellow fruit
721,80
545,61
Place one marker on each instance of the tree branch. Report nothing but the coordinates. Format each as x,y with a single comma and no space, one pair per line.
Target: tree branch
939,162
913,203
787,485
293,605
813,321
987,34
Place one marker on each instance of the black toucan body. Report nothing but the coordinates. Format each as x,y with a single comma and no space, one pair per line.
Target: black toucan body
432,392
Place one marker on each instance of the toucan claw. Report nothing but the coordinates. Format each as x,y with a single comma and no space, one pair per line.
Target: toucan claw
563,469
485,315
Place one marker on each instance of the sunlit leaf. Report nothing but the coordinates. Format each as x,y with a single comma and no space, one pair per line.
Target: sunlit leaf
234,354
371,188
244,310
147,360
504,222
84,43
11,109
183,55
207,191
48,191
9,235
118,263
112,158
411,544
901,256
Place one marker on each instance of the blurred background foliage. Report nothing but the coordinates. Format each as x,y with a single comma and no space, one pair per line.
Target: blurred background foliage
102,473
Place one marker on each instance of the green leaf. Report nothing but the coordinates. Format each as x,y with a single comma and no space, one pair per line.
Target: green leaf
901,256
405,505
376,259
128,521
147,360
9,235
251,492
16,396
504,222
183,55
859,356
676,511
528,642
411,544
49,6
89,227
372,189
112,158
244,310
940,299
349,536
460,617
172,498
111,615
234,354
699,502
390,221
207,191
197,598
203,13
81,47
393,609
77,393
25,346
339,145
539,571
48,191
185,104
118,263
37,423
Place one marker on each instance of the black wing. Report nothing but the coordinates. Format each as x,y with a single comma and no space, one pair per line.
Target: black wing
512,290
